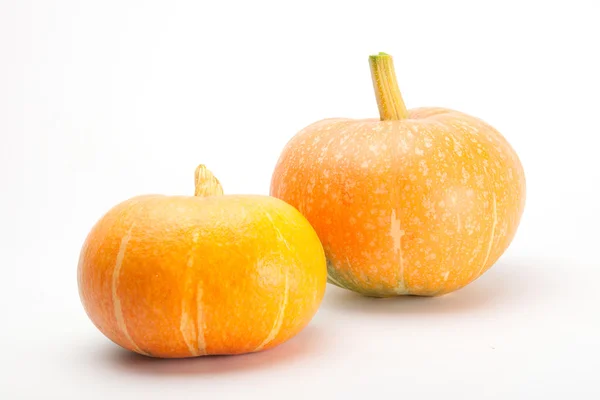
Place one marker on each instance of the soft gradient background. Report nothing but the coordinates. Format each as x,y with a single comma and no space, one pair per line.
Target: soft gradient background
104,100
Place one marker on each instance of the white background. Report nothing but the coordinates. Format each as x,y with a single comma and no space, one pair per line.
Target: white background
104,100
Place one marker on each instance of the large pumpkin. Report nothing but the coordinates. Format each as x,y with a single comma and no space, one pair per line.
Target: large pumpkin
188,276
419,202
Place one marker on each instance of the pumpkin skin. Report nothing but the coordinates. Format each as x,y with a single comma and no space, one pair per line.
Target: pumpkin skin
177,276
422,205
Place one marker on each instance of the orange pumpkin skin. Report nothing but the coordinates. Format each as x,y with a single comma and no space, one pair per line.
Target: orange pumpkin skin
189,276
422,205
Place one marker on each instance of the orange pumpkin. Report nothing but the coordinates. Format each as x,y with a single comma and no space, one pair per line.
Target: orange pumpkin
418,202
211,274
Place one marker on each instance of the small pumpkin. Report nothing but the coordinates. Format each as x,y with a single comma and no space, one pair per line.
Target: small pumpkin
184,276
418,202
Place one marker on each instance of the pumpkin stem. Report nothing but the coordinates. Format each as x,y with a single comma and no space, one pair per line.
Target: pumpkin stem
389,100
206,183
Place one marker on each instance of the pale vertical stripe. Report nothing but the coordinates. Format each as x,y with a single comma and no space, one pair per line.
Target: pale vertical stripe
115,296
187,328
192,329
491,242
201,340
396,233
187,325
277,231
279,320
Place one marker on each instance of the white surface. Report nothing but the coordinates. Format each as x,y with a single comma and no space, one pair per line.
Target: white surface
100,101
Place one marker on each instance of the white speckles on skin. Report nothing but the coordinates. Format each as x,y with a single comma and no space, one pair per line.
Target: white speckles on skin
419,151
427,141
442,176
491,242
458,149
469,225
479,181
445,275
423,168
338,157
412,177
429,206
382,221
403,144
465,176
381,189
365,164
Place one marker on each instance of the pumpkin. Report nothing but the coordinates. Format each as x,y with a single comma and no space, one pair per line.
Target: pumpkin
184,276
417,202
